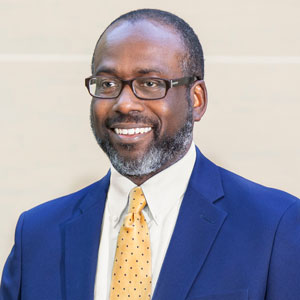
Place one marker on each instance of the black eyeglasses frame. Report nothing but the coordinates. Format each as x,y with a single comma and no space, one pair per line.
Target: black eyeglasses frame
170,83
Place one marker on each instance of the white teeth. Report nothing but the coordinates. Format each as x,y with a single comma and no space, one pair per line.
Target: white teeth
132,131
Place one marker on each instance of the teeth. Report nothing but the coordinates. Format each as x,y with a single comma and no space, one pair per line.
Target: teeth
132,131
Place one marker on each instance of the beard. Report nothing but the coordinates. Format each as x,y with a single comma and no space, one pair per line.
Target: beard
160,152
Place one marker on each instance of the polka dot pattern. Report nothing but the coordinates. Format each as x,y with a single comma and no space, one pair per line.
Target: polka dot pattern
131,275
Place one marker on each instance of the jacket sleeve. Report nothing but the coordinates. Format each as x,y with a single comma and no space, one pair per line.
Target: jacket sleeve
284,272
10,288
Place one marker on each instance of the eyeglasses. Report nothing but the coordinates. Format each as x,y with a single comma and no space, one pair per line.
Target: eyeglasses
145,88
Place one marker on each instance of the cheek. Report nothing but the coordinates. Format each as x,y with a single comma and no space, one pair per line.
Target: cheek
100,110
172,115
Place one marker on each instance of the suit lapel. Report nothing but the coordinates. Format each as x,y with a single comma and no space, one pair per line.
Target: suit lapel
197,226
81,236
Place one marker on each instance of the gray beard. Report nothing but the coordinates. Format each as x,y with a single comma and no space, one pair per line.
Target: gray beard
159,153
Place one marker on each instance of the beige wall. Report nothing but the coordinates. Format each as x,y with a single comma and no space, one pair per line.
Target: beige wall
47,149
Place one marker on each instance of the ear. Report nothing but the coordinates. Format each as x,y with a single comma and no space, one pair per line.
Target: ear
199,99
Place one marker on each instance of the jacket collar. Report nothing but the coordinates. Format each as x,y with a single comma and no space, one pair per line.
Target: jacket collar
80,244
197,226
198,223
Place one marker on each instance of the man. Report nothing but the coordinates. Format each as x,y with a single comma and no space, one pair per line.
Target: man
165,222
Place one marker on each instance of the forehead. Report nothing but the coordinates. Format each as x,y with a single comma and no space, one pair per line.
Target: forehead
126,47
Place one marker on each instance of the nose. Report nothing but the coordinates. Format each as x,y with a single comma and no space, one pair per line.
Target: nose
127,102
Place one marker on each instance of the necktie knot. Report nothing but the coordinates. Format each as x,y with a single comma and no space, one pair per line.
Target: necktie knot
137,200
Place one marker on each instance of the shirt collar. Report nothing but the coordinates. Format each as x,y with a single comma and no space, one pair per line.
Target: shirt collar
162,191
117,197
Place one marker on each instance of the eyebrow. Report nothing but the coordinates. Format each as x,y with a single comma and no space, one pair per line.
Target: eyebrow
113,71
147,71
105,70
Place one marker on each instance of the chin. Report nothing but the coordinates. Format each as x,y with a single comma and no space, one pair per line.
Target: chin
139,160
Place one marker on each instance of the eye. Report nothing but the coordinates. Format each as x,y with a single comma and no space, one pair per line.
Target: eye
108,83
151,83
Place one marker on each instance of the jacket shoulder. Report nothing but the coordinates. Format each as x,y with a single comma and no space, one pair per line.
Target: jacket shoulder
253,195
62,208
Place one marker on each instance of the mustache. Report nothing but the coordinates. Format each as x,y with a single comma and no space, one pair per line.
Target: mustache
130,118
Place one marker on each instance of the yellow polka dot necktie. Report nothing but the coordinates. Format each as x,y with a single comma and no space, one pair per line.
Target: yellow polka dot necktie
131,275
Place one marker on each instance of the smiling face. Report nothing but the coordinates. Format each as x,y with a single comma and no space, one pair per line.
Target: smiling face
142,137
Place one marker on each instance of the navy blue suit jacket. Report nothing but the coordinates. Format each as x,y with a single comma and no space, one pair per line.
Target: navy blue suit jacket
233,240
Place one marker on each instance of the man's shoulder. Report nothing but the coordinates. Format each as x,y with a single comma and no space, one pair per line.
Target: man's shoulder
65,207
236,192
255,196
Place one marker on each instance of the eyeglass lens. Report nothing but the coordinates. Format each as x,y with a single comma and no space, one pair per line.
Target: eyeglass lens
109,87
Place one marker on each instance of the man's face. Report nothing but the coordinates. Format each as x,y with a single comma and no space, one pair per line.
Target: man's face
143,49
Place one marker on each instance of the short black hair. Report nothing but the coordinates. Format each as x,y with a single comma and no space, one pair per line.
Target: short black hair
194,62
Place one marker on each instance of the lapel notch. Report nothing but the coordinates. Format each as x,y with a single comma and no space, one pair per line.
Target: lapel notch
81,237
196,229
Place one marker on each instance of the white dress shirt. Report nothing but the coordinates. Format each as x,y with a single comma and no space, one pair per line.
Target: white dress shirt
164,193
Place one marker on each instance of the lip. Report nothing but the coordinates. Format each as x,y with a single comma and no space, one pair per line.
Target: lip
129,125
132,138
